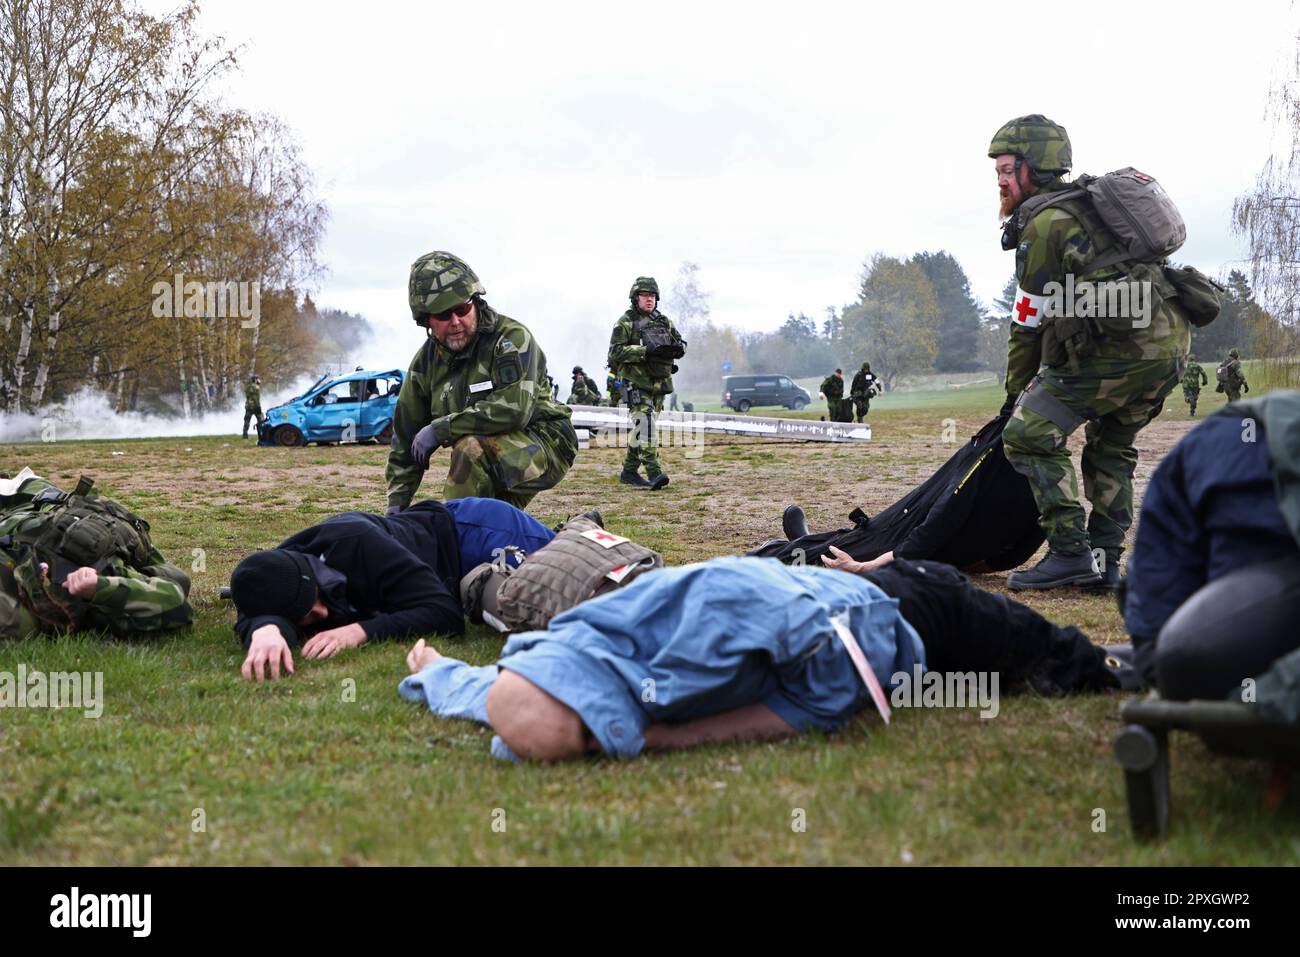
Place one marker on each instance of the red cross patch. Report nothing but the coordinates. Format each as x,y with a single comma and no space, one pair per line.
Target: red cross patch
1027,309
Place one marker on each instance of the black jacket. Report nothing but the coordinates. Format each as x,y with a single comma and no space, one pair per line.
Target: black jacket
402,575
976,512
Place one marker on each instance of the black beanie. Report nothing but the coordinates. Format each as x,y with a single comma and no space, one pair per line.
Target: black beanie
274,582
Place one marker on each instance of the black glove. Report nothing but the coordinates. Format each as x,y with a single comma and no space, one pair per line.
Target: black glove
1008,405
394,510
1245,388
424,445
667,350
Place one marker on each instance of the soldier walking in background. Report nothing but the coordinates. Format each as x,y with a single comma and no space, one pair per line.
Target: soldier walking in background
253,403
863,388
642,350
1231,379
832,388
1193,378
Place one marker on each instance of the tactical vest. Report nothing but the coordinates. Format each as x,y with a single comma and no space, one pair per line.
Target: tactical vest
582,562
660,346
66,531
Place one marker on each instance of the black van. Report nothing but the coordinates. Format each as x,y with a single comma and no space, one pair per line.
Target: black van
742,392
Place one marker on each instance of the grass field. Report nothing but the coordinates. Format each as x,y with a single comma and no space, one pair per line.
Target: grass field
304,772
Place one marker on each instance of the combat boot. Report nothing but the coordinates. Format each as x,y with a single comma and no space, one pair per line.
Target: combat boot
631,477
657,482
1108,580
794,523
1055,570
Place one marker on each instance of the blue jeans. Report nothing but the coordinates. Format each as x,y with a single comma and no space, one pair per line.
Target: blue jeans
484,526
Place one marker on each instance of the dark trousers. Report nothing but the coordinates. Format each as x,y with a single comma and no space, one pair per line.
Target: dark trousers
965,628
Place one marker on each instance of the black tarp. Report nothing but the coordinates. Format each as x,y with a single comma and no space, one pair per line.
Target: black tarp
975,512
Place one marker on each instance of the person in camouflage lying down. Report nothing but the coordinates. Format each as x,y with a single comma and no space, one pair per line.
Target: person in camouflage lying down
71,561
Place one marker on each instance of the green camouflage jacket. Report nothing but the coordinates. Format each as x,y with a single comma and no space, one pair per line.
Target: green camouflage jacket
833,387
627,354
252,397
1232,373
1194,377
1054,244
496,384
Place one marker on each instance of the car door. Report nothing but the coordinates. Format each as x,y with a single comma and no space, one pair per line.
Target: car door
335,414
379,400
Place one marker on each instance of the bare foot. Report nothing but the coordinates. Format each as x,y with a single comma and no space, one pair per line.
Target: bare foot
420,655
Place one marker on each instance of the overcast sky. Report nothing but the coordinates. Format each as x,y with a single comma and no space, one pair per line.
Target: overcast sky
563,149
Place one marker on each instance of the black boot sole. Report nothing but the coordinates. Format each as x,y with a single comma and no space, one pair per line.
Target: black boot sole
1080,579
794,523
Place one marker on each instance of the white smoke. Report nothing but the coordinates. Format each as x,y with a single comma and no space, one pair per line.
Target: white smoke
89,414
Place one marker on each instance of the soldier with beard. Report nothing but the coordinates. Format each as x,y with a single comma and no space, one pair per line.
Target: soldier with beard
1111,372
479,387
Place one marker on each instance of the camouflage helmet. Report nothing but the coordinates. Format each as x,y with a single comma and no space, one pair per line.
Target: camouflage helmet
1233,353
644,284
576,370
1043,144
440,281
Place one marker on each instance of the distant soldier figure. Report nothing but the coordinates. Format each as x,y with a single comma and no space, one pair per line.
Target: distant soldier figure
253,403
832,388
642,350
478,387
1231,380
1193,378
76,562
863,388
584,391
614,388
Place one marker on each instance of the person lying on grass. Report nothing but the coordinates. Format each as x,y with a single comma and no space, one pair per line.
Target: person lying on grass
739,649
358,577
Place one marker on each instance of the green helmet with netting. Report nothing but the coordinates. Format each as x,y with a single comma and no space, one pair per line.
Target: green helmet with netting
438,282
1044,145
644,284
1234,354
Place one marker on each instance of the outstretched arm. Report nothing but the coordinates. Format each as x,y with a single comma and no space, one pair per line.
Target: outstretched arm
754,722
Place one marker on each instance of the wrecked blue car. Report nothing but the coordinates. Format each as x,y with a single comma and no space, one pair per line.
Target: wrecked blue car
356,407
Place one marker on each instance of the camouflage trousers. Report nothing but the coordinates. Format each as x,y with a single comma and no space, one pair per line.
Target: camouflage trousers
1191,397
861,406
248,414
642,444
512,466
1233,392
1116,398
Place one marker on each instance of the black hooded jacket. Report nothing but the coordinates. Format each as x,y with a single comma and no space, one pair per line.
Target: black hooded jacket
401,575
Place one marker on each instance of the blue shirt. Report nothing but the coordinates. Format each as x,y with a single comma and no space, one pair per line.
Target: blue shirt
683,643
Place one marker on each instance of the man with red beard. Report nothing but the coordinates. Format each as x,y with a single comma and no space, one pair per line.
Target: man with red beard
1065,369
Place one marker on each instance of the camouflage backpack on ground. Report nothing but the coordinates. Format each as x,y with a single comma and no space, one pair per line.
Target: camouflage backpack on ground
583,561
66,531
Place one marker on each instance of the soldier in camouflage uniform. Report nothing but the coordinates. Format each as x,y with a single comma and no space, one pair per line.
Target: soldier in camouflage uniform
615,389
479,387
833,388
861,391
1193,378
1231,379
641,352
584,390
1061,374
47,590
253,403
